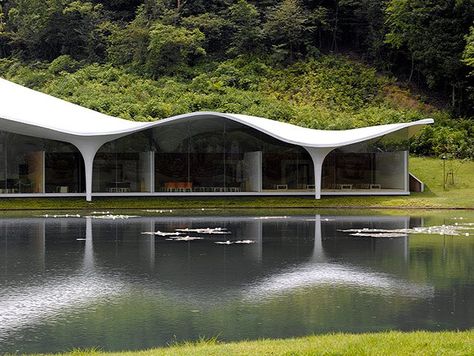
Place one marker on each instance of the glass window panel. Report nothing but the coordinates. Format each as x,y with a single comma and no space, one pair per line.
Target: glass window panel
64,168
123,165
34,165
371,165
212,155
22,164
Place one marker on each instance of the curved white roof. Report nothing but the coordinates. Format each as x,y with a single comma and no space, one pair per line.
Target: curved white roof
26,111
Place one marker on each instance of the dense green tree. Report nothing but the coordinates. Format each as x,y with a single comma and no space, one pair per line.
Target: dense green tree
120,9
244,21
172,48
85,31
128,45
214,27
362,26
431,32
152,10
4,37
196,7
468,54
46,29
64,63
468,59
27,23
426,43
286,27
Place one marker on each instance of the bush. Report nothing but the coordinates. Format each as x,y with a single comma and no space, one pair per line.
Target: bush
328,93
63,63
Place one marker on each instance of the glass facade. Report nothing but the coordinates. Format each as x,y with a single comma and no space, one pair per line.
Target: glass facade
371,165
21,168
215,155
64,168
208,155
34,165
124,165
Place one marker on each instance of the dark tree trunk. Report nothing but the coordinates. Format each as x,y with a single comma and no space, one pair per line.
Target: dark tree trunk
412,68
334,34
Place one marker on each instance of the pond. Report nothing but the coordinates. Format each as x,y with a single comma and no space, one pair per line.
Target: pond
122,282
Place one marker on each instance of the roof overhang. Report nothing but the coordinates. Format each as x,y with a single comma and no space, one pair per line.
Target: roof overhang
28,112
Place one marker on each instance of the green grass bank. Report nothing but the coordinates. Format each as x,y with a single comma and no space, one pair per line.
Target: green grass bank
430,170
386,343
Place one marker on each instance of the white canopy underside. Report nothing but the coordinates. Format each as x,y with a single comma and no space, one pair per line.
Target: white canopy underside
26,111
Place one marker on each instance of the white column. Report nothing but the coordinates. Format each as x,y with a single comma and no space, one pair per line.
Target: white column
406,171
88,149
253,163
318,154
43,171
89,166
152,171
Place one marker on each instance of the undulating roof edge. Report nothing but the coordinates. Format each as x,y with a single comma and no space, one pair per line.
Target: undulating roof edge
45,116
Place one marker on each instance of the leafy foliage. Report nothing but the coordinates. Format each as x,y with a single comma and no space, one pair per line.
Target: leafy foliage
286,27
331,92
172,47
244,24
283,59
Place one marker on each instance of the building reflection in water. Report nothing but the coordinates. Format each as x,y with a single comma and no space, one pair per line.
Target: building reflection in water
53,265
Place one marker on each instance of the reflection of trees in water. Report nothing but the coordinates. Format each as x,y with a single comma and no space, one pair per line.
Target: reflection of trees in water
274,288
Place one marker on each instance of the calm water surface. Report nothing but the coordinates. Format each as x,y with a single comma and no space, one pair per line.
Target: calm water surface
83,282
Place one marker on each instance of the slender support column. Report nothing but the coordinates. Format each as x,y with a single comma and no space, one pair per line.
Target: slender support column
43,172
152,172
406,172
89,166
88,149
318,154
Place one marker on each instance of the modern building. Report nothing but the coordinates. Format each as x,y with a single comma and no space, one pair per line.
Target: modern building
49,147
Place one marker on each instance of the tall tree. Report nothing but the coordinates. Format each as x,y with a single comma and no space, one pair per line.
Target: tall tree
45,29
172,48
468,54
215,28
286,26
4,37
468,59
120,9
129,45
431,33
244,21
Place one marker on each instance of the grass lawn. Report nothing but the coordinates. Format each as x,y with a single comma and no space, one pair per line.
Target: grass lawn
429,170
388,343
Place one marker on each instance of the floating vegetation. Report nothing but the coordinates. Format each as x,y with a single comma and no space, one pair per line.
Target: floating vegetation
324,219
450,230
270,217
228,242
185,238
161,233
113,217
207,230
160,211
177,234
60,216
379,234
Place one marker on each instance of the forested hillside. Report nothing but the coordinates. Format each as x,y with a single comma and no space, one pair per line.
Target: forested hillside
323,64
